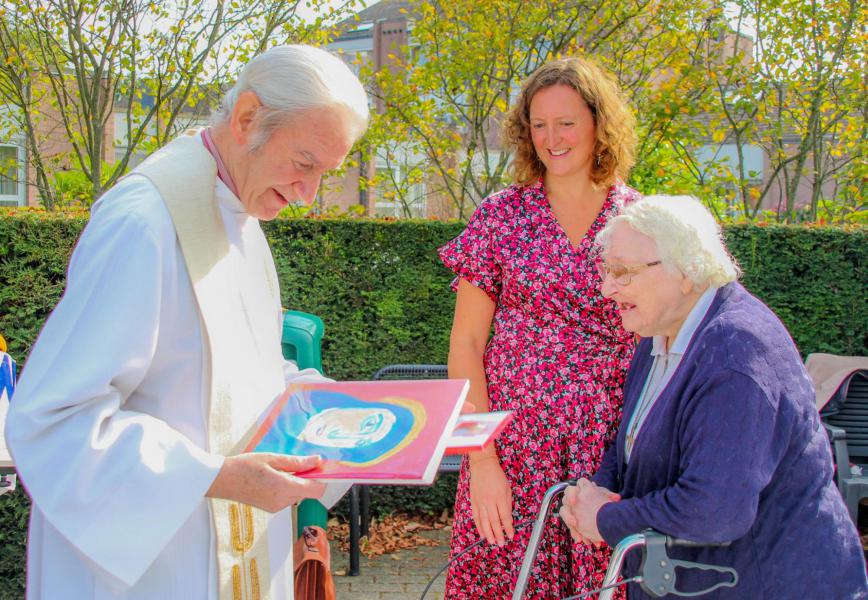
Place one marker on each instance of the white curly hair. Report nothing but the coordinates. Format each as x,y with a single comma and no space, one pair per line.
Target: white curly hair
687,236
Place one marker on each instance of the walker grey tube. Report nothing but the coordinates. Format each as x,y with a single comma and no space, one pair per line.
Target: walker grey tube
536,537
616,560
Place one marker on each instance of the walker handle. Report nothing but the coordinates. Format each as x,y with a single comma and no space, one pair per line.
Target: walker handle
672,542
658,570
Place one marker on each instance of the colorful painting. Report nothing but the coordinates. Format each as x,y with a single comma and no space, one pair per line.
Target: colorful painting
377,431
340,427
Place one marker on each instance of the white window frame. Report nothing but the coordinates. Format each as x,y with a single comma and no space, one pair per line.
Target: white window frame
417,203
403,158
20,197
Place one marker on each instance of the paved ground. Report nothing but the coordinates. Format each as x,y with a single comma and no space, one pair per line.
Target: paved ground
404,574
399,576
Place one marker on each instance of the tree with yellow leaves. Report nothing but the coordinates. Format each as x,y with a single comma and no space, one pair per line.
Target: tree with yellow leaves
73,71
445,93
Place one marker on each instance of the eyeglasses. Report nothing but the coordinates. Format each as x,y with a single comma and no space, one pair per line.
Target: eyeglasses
622,274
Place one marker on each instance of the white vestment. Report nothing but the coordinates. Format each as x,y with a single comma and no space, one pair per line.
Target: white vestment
108,428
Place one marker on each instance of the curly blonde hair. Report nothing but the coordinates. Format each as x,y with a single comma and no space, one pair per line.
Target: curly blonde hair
615,126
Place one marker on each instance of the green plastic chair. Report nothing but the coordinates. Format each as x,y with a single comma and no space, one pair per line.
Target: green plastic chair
302,339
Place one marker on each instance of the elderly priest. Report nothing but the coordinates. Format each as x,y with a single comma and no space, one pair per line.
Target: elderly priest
165,348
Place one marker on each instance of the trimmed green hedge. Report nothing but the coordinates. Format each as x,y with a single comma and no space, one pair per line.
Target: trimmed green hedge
384,298
378,286
814,278
384,295
34,251
14,512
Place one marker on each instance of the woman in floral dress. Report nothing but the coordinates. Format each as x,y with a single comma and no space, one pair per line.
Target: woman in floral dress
558,355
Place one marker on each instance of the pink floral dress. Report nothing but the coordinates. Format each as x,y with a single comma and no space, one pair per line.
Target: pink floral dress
558,359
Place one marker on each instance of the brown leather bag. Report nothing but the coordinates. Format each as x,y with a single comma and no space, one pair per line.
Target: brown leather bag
312,560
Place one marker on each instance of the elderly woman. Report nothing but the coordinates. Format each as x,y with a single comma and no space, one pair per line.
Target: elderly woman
720,440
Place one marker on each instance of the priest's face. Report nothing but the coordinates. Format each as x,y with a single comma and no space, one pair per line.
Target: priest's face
288,165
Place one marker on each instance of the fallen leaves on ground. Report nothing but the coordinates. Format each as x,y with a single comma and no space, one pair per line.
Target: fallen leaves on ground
390,533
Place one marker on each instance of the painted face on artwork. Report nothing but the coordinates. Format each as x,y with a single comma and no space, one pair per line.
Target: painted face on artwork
348,427
562,130
289,165
657,300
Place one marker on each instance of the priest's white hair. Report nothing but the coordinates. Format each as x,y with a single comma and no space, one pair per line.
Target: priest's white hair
687,236
295,78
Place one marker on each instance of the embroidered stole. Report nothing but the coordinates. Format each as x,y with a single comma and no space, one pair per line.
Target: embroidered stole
184,173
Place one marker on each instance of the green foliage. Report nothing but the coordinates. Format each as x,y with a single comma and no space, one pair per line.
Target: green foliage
783,80
73,188
727,90
332,212
834,210
33,257
71,72
379,285
385,298
14,512
444,94
815,280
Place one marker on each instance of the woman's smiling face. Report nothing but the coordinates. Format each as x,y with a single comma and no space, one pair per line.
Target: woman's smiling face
562,130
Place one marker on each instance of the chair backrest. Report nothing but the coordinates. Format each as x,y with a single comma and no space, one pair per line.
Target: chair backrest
301,339
853,417
450,463
412,372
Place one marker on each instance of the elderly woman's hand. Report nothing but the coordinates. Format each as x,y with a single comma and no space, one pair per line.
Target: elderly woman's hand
580,507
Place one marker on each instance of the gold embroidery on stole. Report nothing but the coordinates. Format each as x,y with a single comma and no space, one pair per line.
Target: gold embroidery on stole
241,534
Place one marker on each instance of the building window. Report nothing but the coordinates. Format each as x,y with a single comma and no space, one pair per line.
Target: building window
122,137
724,158
399,192
11,175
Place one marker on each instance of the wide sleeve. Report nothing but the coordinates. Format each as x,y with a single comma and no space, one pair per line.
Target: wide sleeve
472,255
728,456
292,374
116,483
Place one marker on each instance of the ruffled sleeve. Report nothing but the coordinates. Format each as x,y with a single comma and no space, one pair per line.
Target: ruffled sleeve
472,255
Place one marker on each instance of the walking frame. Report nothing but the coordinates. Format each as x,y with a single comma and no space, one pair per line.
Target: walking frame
656,574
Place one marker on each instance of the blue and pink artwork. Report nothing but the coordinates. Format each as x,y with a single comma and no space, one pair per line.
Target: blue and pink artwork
377,431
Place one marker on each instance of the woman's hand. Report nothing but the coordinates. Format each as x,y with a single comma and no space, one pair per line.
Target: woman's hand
266,480
580,507
490,493
491,500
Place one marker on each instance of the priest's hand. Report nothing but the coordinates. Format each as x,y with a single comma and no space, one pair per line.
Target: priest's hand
580,507
266,480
